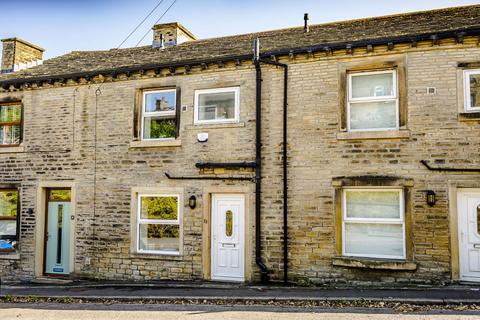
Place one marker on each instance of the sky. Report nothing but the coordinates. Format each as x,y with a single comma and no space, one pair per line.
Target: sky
61,26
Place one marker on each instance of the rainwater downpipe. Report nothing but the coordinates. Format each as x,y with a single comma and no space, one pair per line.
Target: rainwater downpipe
258,247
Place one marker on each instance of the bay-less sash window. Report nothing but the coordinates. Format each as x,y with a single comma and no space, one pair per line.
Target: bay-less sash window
159,115
373,223
372,101
158,224
8,218
10,124
472,90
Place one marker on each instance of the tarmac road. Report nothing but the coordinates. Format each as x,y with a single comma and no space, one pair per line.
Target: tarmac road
52,311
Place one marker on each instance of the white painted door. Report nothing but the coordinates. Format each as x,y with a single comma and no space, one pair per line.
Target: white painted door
469,234
228,237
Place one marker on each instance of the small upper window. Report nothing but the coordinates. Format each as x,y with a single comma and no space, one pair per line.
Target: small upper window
217,105
159,121
8,220
10,124
373,101
472,90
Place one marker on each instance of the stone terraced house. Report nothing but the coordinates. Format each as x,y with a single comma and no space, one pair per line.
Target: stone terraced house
182,160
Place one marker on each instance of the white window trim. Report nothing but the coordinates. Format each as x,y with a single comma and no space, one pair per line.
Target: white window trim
146,114
236,90
466,90
389,221
393,97
152,221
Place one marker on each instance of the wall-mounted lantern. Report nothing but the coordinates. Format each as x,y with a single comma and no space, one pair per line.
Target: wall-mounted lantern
431,198
192,202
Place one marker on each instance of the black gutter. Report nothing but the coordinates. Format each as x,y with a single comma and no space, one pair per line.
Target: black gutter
258,173
327,47
448,169
207,178
244,164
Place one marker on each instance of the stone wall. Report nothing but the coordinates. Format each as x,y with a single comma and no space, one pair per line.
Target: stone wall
73,134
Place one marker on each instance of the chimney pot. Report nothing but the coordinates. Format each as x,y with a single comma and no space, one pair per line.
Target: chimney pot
305,25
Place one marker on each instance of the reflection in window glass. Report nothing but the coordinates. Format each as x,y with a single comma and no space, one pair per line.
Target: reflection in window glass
475,90
372,85
371,204
373,115
159,237
159,208
59,195
160,101
216,106
159,128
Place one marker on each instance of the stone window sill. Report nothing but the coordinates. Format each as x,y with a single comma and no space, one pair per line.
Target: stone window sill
13,149
9,255
363,135
370,263
469,116
156,144
202,126
151,256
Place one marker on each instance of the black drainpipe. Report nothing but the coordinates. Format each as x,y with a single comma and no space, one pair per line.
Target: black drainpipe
258,247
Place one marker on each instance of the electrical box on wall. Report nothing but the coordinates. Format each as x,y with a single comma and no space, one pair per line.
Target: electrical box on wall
202,137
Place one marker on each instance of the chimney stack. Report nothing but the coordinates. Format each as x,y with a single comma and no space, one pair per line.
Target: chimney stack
19,54
170,34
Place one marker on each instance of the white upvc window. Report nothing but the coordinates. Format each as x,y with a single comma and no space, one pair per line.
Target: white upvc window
472,90
159,120
159,224
373,101
373,223
221,105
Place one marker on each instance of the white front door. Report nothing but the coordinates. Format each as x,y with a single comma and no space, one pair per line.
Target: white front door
469,234
228,237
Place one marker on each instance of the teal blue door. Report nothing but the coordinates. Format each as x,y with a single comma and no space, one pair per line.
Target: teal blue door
57,260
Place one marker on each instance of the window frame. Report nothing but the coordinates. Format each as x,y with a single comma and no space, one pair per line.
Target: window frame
394,97
236,90
388,221
466,90
164,114
13,123
140,221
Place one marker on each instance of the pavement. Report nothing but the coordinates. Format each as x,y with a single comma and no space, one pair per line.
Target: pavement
206,292
52,311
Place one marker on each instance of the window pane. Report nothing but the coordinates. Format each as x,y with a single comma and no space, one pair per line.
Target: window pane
159,237
59,195
160,208
10,113
159,128
8,204
8,228
374,239
9,134
216,106
373,204
373,115
475,90
160,101
372,85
